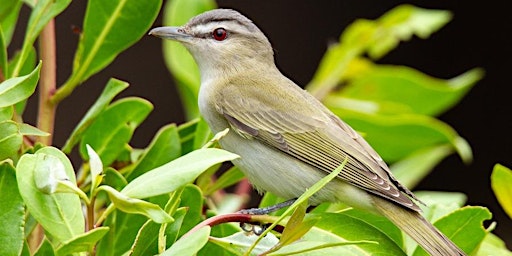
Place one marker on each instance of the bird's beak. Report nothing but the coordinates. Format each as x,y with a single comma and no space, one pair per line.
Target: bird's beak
172,33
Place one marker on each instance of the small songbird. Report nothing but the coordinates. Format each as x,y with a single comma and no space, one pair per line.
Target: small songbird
286,139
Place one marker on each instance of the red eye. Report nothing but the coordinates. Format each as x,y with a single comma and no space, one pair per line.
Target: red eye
219,34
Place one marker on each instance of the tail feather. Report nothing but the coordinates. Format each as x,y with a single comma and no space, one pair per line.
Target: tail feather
418,228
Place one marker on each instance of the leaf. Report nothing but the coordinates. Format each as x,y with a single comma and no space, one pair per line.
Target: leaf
170,176
501,179
312,248
417,92
339,227
9,12
10,139
114,127
45,249
3,52
16,89
113,88
12,211
177,58
123,230
109,28
240,242
82,243
43,12
173,229
29,130
136,206
395,137
493,245
96,168
193,200
190,244
61,213
164,148
464,227
232,176
440,204
417,165
145,242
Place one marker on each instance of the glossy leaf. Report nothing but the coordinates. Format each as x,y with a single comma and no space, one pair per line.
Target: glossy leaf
29,130
190,244
240,242
45,249
43,12
60,213
136,206
6,113
10,139
109,28
3,52
417,92
228,178
82,243
339,227
493,245
12,212
376,37
114,127
170,176
123,230
113,88
164,147
501,180
395,137
9,12
145,242
178,59
417,165
96,168
464,227
16,89
193,200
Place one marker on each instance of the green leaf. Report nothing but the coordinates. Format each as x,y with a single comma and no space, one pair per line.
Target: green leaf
12,211
415,91
439,204
16,89
10,139
61,213
493,245
190,244
177,58
3,54
45,249
6,113
376,37
96,168
312,248
113,88
417,165
173,229
395,137
82,243
145,242
114,127
43,12
9,12
193,200
29,130
240,242
339,227
136,206
228,178
114,178
464,227
109,28
501,180
164,147
170,176
123,230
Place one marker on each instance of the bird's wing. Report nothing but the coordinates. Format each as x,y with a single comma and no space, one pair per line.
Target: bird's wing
311,134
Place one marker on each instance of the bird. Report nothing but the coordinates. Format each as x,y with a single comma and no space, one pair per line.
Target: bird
288,140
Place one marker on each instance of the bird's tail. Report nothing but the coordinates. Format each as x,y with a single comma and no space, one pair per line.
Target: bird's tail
418,228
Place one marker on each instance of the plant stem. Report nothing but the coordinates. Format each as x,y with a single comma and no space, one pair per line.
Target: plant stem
48,82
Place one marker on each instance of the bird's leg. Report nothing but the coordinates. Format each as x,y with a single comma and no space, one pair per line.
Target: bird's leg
269,209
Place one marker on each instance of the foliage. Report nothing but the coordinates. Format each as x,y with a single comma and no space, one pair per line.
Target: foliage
169,197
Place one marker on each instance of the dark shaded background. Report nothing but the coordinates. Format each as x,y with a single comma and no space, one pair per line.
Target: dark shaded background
478,36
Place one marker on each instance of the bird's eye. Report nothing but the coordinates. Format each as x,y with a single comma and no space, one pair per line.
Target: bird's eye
219,34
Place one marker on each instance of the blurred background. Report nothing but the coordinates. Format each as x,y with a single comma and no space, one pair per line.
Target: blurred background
480,35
